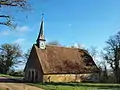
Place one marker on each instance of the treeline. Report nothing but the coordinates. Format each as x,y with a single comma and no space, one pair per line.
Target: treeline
109,60
11,56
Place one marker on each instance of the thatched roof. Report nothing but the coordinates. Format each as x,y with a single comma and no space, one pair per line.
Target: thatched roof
63,60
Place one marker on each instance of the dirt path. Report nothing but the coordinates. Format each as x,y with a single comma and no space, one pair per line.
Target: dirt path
18,86
13,85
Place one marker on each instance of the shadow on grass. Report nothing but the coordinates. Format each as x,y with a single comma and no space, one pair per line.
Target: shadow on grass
11,80
97,85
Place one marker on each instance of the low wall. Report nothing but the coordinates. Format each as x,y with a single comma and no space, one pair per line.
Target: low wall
71,77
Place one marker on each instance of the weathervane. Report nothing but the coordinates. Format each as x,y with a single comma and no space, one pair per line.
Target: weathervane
42,15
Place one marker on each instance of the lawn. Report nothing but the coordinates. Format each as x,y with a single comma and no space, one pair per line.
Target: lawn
5,75
77,86
2,88
9,76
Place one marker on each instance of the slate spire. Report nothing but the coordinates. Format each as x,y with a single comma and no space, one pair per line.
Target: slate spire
41,33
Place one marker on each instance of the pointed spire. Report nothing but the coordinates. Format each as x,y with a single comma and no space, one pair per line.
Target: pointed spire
41,33
42,26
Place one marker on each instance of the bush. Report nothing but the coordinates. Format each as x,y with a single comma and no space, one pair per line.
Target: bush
13,73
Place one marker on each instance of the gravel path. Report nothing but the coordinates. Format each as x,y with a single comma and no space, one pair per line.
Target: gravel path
11,85
18,86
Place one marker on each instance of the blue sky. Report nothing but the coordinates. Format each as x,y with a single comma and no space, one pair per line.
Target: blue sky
86,22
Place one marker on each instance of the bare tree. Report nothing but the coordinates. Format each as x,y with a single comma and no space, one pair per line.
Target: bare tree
93,52
26,56
112,54
6,19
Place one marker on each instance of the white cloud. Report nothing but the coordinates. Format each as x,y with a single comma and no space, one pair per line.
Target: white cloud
19,40
76,45
47,40
22,28
5,32
19,31
82,46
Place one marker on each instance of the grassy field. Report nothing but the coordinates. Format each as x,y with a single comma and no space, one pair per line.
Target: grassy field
2,89
9,76
72,86
77,86
4,75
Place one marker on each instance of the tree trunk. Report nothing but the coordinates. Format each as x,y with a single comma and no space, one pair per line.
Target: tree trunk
117,76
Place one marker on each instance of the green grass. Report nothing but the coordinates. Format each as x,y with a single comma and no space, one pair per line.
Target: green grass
4,75
2,89
77,86
9,76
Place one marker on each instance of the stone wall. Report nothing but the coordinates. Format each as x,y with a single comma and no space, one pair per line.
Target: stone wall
71,77
33,70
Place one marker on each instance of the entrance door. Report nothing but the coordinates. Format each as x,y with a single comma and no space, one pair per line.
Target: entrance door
34,75
32,78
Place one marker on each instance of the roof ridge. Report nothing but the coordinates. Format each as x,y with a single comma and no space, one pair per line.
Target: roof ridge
65,47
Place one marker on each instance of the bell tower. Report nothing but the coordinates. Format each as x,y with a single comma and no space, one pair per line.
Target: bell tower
41,39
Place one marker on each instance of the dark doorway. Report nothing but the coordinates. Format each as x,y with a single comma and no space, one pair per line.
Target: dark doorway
32,76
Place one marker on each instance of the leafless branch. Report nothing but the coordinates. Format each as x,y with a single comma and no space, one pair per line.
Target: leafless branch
7,21
15,3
